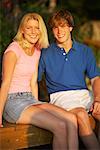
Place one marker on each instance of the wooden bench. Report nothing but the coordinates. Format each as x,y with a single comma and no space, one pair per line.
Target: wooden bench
14,136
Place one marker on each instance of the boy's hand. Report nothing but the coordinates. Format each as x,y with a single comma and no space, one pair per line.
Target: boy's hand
96,110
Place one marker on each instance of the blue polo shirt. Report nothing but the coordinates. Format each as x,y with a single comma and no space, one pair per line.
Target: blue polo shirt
67,71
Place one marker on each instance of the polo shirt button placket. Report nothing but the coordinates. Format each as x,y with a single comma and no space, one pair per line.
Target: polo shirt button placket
64,54
62,49
66,59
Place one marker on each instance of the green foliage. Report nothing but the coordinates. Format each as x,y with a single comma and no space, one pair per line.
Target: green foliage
6,32
8,22
77,8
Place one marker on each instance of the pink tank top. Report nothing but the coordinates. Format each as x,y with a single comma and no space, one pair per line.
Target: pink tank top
24,68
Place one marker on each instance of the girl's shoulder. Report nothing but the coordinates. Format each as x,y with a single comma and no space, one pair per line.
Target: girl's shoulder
14,47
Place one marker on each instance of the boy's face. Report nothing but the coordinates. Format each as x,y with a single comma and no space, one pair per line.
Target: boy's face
62,32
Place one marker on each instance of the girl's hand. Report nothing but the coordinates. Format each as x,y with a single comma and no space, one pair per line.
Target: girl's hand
1,125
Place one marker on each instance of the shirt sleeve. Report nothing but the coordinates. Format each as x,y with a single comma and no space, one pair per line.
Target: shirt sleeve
41,68
91,69
13,47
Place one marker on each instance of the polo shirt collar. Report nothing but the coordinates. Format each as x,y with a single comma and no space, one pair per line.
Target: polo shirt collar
74,45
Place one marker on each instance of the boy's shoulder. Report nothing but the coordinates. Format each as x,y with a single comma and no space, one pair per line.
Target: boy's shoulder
49,49
52,45
81,46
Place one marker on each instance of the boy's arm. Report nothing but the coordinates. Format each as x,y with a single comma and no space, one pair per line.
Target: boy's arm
96,93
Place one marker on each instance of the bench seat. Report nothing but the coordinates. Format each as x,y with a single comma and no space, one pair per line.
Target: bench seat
14,136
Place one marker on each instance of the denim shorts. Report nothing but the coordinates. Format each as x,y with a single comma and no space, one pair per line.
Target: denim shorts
16,103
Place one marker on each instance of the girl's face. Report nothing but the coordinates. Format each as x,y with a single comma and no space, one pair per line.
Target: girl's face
62,33
31,31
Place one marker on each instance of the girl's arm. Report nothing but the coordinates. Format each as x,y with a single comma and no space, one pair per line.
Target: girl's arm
34,84
8,65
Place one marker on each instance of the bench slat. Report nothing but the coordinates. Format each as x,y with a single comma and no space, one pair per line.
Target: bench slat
23,136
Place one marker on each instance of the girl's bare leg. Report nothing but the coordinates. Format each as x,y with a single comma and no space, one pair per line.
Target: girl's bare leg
85,131
71,122
43,119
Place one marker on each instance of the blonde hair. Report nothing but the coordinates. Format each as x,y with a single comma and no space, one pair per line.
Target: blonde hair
43,40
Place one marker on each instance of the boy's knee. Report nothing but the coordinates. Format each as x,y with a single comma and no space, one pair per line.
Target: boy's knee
82,114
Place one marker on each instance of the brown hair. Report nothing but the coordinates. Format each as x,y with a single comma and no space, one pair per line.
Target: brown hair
61,16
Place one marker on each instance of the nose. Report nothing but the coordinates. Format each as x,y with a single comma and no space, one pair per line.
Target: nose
33,30
59,29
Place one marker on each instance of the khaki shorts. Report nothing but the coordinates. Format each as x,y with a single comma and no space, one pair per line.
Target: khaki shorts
72,99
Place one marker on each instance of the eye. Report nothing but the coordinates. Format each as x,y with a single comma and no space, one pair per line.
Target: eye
54,27
37,28
28,28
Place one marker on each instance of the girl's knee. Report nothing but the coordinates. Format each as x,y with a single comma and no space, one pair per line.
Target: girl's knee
61,127
73,118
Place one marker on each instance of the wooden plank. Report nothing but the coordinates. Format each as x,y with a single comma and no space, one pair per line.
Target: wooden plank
14,136
23,136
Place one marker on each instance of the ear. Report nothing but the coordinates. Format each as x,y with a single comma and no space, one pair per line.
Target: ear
71,28
22,31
